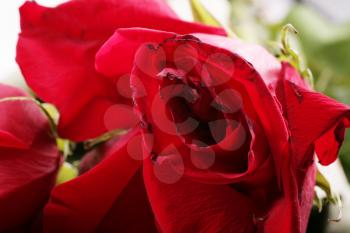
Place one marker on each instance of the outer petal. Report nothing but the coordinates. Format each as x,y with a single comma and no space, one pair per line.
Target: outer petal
29,160
192,207
290,213
316,124
314,119
13,135
9,91
131,212
125,41
91,202
56,51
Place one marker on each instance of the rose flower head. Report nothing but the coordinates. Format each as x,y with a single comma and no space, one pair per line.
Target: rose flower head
29,161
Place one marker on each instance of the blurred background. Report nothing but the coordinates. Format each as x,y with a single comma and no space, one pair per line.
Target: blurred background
323,42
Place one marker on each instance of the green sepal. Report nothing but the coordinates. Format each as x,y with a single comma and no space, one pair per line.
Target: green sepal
66,173
331,196
292,56
202,15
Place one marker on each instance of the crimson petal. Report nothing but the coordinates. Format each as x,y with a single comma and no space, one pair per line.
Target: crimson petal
56,53
29,160
93,200
192,207
313,118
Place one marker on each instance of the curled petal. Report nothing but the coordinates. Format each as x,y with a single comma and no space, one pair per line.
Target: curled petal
314,119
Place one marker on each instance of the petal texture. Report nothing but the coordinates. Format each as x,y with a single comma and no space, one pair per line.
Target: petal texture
193,207
104,199
29,160
56,52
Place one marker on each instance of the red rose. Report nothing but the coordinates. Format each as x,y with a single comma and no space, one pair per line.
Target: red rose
29,161
56,52
229,137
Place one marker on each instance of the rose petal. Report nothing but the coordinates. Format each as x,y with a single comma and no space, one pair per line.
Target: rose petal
29,160
80,205
126,41
56,52
131,212
9,91
264,62
187,206
313,118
